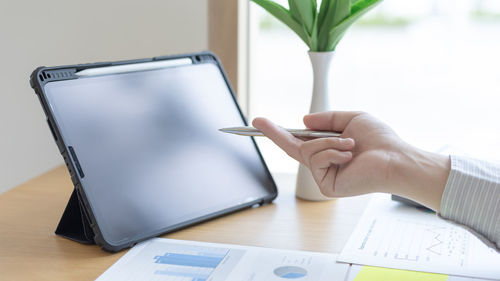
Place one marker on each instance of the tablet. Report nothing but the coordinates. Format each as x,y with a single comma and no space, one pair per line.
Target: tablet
141,141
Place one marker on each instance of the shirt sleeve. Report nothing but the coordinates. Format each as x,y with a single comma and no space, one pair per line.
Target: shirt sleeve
471,198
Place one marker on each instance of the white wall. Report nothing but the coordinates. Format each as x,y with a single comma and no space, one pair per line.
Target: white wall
56,32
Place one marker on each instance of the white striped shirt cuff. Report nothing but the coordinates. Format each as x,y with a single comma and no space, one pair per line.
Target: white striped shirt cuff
472,198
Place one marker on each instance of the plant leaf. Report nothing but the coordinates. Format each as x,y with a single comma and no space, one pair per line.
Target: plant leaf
313,46
303,11
342,10
323,9
359,5
284,16
336,12
359,8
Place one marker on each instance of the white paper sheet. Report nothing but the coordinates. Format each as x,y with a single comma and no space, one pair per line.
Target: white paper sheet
177,260
394,235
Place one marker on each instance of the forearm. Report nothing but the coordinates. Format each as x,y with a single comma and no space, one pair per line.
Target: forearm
420,176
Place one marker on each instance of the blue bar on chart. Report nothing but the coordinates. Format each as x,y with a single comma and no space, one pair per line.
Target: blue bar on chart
196,276
189,260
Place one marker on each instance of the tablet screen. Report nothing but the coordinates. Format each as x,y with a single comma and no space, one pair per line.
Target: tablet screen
150,152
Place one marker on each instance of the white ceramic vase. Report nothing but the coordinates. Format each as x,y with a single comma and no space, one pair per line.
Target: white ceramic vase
306,187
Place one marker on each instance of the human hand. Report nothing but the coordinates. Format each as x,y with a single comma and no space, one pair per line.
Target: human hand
368,156
356,163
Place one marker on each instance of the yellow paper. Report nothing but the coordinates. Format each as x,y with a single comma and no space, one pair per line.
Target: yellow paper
372,273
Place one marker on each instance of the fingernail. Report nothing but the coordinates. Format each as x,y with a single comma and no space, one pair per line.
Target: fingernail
347,141
347,154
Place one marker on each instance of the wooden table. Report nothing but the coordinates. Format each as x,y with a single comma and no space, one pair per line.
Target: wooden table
29,213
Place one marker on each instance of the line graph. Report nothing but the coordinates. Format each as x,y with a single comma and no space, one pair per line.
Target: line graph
397,236
437,242
413,241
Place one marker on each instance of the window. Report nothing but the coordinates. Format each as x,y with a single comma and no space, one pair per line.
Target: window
430,69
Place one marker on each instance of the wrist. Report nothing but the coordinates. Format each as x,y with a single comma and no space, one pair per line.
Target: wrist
420,175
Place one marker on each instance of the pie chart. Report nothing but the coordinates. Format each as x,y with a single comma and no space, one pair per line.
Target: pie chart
290,272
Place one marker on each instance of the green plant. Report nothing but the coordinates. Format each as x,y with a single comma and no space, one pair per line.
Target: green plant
320,30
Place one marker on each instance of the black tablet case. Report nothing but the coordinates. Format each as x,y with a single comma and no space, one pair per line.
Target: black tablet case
76,223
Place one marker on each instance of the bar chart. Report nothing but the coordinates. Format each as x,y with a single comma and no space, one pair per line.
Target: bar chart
190,264
175,260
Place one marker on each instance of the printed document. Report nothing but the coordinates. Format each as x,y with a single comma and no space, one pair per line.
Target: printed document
176,260
394,235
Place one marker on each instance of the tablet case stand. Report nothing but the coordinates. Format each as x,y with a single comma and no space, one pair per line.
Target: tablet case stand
74,223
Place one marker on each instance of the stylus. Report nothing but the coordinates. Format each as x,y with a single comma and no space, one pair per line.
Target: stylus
133,67
305,133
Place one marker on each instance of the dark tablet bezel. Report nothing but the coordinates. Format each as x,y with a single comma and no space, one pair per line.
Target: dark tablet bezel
43,75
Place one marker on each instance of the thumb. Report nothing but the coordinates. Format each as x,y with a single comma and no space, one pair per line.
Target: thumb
330,120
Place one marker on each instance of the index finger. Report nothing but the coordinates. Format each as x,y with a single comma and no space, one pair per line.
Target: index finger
330,120
280,137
